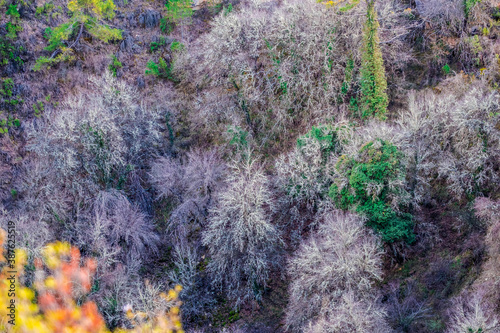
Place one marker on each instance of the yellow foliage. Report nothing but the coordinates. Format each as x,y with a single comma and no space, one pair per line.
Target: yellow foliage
348,4
102,9
85,14
50,306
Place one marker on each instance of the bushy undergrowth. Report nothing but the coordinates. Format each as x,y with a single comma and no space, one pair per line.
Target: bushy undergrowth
83,163
259,149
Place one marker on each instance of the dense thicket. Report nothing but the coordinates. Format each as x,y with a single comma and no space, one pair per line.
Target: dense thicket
296,166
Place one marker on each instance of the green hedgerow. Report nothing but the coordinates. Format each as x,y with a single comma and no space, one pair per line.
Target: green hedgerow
366,187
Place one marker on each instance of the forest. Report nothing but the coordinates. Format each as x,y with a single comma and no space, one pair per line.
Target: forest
250,166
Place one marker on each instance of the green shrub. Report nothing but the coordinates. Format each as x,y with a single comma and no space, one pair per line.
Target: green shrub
12,30
6,87
165,25
446,69
307,173
6,93
38,108
10,121
366,187
11,26
46,9
228,9
154,46
238,137
468,5
152,68
496,13
114,65
176,46
48,62
7,102
162,69
9,52
178,10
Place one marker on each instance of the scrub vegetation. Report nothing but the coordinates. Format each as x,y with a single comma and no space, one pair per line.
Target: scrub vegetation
250,166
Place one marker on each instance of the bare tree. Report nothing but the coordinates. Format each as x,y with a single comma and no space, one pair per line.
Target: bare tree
352,314
166,176
404,309
241,240
122,221
271,68
340,258
472,313
190,185
453,135
307,173
197,298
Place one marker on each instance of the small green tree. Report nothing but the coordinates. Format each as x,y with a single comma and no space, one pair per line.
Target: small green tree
86,15
12,26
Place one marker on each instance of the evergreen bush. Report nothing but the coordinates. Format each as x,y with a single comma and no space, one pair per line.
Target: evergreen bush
368,185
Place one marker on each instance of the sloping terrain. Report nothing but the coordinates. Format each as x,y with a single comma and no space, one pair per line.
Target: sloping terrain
295,166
